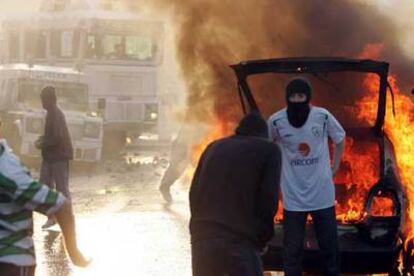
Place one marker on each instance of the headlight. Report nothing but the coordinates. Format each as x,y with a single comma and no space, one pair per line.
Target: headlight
34,125
151,112
92,130
154,116
93,114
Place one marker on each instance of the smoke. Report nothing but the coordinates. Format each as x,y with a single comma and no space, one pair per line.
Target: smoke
18,6
214,34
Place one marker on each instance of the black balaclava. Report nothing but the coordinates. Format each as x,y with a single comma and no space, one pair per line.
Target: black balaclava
252,124
298,112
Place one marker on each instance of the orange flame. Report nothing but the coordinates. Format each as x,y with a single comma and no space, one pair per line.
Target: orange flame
399,129
219,130
382,206
360,162
358,173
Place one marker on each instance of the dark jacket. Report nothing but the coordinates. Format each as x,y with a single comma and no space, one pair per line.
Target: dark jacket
235,187
57,145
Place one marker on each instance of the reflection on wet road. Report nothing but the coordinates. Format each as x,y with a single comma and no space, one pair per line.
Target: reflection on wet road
123,225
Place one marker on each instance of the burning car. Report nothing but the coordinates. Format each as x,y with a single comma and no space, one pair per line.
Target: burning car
374,228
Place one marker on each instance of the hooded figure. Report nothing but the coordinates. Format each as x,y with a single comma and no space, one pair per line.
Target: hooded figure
233,197
48,98
297,109
55,146
252,124
56,142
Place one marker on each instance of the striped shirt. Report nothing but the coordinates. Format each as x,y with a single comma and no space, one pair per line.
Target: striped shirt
20,195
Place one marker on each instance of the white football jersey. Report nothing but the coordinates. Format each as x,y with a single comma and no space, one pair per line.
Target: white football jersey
306,180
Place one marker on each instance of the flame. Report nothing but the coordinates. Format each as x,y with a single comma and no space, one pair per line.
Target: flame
398,128
358,173
360,162
382,206
220,129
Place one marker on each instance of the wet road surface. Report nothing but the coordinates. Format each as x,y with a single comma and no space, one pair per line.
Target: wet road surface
123,224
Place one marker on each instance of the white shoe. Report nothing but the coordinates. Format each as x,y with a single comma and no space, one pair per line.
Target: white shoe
49,223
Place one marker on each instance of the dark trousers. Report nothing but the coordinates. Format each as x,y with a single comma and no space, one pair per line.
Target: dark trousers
55,174
223,257
13,270
324,222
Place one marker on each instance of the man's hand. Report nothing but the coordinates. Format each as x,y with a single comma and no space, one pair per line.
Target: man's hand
337,155
77,258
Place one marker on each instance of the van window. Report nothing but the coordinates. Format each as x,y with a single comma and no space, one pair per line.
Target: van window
64,44
120,47
71,96
35,44
14,46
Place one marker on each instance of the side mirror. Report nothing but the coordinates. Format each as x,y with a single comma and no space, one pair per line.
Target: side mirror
412,91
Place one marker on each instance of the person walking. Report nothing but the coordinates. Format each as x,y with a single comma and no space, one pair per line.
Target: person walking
302,132
180,156
179,160
233,200
56,148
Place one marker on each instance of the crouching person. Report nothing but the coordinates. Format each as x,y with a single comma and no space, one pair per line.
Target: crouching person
233,199
20,196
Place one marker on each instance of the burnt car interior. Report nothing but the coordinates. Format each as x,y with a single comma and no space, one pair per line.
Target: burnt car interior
371,202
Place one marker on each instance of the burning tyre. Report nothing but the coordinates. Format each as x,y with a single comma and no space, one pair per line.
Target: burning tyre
374,227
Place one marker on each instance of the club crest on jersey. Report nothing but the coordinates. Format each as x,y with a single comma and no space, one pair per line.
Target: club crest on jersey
304,149
316,131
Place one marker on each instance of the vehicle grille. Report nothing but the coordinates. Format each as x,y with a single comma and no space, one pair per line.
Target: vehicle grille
76,131
133,111
124,111
86,154
90,154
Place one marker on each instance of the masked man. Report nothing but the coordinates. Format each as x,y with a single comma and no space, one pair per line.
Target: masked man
302,132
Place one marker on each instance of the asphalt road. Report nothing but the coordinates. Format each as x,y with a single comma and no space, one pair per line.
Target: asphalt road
123,224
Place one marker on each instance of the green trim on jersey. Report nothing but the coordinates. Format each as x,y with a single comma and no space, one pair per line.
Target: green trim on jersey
15,237
14,250
51,200
25,214
7,184
29,193
20,195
